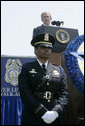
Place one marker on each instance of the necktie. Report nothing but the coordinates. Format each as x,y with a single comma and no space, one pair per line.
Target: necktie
43,65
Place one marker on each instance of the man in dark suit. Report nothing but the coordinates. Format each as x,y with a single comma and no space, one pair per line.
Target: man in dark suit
46,19
43,87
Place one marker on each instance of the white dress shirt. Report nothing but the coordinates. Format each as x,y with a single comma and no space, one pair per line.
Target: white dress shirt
40,63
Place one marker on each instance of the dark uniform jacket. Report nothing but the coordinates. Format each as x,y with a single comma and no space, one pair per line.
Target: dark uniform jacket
41,91
38,30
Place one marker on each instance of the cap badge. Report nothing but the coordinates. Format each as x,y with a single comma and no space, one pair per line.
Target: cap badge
46,37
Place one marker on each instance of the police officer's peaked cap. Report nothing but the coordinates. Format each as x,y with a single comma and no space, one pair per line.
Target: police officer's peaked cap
46,40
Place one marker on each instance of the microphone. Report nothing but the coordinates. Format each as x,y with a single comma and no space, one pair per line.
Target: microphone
57,23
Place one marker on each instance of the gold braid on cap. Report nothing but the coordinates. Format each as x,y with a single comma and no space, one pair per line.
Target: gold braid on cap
43,43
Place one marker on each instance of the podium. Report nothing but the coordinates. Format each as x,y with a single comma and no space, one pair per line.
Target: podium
63,37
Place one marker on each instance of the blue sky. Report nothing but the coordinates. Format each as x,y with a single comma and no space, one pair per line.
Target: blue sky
18,18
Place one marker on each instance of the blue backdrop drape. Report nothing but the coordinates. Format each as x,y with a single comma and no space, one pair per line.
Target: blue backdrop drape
11,110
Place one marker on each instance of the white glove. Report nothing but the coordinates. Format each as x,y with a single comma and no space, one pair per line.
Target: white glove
50,116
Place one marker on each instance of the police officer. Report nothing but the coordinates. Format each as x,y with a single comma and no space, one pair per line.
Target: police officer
43,87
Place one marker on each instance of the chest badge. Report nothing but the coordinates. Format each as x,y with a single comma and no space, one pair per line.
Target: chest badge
56,73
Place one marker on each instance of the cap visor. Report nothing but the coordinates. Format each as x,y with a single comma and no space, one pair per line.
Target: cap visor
46,45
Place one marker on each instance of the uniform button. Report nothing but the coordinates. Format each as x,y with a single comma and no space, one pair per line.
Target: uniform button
47,83
48,100
47,76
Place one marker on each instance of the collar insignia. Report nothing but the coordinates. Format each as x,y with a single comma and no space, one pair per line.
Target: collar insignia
33,71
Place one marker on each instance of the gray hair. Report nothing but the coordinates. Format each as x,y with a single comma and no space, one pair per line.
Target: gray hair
44,13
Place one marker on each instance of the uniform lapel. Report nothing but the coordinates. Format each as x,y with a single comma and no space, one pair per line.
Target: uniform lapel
37,66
